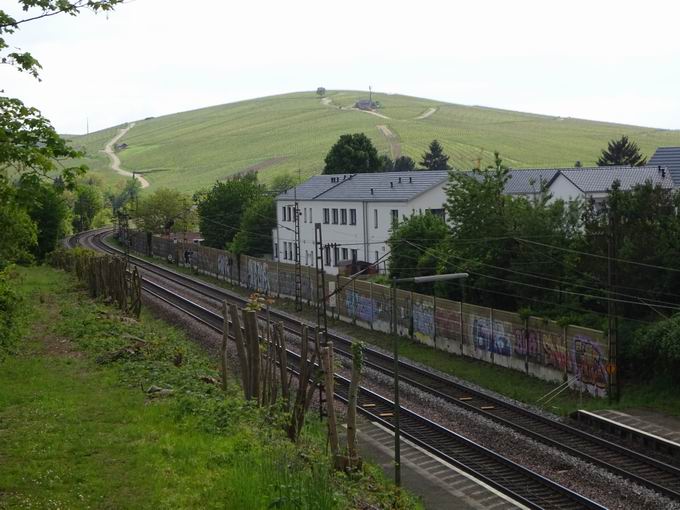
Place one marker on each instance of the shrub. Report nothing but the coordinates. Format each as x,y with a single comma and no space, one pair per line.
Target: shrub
9,311
655,349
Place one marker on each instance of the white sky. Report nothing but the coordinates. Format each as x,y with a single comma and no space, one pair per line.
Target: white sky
597,59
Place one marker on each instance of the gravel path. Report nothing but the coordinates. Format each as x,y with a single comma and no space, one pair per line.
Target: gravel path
115,160
426,114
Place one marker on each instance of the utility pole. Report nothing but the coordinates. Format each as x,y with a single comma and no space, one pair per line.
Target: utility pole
297,258
321,319
613,386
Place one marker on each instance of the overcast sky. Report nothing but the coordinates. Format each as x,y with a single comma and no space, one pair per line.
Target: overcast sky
605,60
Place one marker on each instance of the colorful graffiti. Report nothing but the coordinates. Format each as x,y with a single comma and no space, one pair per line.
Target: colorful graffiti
448,323
361,307
423,320
484,339
258,278
589,364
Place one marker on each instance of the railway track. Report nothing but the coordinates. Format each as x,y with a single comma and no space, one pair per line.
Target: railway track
520,484
618,459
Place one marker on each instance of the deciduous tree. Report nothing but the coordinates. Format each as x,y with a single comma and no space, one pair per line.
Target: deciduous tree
255,233
352,153
164,211
221,208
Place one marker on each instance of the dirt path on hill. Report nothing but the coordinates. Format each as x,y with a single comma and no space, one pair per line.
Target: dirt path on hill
392,139
426,114
115,160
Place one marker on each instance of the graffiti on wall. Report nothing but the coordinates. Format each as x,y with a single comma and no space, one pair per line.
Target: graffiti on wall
484,339
589,364
225,265
423,320
258,278
361,307
542,347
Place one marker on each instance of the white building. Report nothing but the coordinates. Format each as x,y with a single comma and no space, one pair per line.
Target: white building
357,211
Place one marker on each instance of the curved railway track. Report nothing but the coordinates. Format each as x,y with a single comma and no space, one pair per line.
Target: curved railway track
521,484
642,469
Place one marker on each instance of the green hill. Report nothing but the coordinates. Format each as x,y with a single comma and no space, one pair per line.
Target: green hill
284,133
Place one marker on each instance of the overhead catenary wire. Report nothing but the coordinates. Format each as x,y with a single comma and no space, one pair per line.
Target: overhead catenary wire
561,291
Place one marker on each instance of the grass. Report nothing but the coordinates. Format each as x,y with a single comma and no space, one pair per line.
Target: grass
76,431
196,148
657,395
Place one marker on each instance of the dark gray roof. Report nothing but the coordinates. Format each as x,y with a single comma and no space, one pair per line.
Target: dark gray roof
670,158
588,179
529,180
309,189
385,186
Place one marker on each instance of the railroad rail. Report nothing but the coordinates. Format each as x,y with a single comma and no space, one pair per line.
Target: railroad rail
517,482
642,469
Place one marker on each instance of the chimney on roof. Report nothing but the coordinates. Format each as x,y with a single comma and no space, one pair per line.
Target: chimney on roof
391,184
371,191
662,171
399,180
344,177
410,180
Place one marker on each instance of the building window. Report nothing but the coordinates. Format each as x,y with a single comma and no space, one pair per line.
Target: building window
326,216
336,254
377,256
352,216
355,255
345,254
285,250
295,256
305,214
375,218
310,215
283,211
328,255
276,251
343,216
335,216
290,214
395,217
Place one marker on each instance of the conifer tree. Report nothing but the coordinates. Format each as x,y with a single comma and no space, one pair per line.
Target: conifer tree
435,159
621,152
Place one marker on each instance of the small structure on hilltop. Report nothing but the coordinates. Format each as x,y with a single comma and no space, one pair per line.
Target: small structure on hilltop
366,104
121,146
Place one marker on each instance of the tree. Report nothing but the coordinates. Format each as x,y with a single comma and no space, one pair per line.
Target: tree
386,163
87,204
28,142
221,208
127,195
409,242
283,182
621,152
352,153
49,211
255,233
434,158
164,211
320,91
19,235
404,164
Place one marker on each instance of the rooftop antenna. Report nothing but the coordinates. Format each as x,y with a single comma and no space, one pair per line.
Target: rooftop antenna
87,125
370,97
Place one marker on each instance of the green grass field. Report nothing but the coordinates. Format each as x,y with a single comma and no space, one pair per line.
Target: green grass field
284,133
77,431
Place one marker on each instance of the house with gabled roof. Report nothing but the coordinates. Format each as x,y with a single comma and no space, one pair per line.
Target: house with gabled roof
358,211
669,158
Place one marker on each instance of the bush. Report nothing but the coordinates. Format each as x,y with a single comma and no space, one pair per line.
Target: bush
655,349
9,311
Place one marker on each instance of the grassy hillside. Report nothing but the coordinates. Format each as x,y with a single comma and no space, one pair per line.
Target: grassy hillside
278,134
